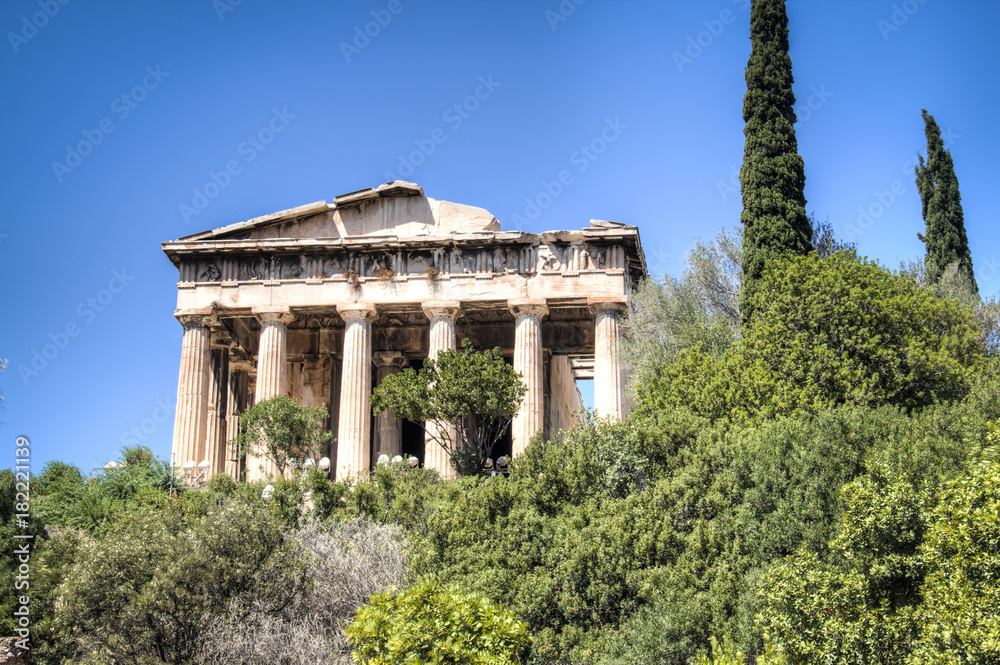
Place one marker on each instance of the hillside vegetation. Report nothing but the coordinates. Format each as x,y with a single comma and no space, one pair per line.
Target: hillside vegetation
819,485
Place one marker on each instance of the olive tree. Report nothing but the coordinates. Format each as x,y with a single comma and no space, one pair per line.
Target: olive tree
282,431
468,396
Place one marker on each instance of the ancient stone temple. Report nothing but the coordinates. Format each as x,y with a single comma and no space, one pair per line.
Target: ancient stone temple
321,302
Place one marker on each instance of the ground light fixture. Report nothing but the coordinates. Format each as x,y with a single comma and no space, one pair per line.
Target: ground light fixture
324,464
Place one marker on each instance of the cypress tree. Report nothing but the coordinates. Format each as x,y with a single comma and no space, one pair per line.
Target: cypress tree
941,206
772,179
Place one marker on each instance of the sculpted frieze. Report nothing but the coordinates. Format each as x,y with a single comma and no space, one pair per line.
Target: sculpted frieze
481,261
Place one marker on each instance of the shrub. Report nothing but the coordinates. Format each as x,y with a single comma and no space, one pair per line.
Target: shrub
346,564
432,623
839,330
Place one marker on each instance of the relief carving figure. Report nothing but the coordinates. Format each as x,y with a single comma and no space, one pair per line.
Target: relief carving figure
253,269
549,258
211,273
601,257
333,265
274,265
500,260
295,268
458,264
418,262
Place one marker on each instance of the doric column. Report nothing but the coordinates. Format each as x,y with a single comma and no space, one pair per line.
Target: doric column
442,314
530,417
609,382
272,372
354,427
192,386
218,379
389,428
236,403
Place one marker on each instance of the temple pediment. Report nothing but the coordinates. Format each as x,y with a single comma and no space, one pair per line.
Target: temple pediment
394,209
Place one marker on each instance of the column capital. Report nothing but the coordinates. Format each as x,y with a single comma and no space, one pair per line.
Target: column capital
441,308
528,306
389,359
237,364
357,310
221,339
202,316
600,304
279,314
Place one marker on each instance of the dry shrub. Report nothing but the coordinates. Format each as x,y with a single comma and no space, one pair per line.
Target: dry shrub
385,274
348,563
432,272
353,278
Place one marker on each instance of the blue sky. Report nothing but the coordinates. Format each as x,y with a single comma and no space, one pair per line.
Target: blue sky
127,124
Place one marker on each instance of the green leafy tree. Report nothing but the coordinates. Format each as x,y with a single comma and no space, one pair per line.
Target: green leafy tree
676,313
960,613
149,590
469,393
941,205
431,623
701,307
772,179
836,331
282,431
916,579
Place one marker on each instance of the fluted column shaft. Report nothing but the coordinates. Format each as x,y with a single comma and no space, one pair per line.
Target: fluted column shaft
389,427
354,427
215,435
609,383
528,362
442,314
236,399
272,373
191,415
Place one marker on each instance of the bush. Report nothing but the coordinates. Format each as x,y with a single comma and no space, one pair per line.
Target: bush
432,623
152,587
346,564
840,330
915,579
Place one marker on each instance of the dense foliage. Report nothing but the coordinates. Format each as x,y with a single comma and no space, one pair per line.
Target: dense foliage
772,178
832,331
439,625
